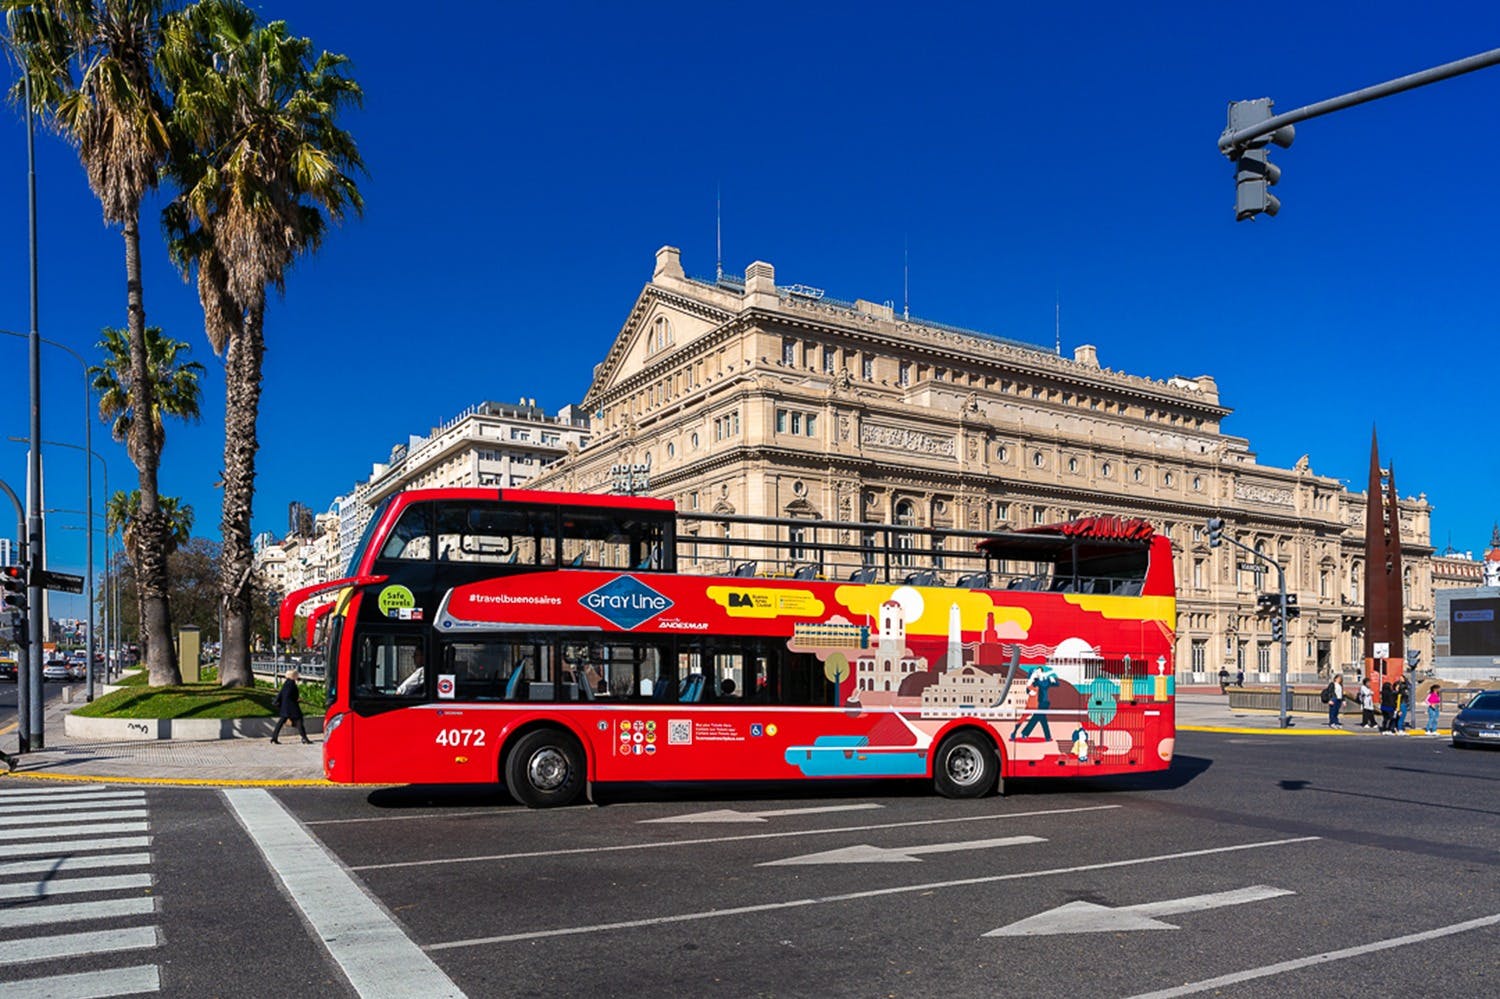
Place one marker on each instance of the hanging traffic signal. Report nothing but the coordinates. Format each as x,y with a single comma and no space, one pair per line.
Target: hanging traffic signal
1215,532
1276,628
1254,173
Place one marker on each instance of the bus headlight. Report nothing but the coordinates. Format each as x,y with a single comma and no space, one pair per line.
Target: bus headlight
333,723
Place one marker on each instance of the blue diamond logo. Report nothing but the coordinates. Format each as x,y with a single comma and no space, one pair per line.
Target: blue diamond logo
625,602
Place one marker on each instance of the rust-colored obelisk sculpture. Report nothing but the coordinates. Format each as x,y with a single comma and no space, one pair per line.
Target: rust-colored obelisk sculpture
1385,655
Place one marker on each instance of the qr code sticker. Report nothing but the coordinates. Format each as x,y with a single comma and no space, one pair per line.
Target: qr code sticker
679,732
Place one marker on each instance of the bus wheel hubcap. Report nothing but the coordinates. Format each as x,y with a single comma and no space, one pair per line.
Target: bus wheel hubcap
964,765
548,770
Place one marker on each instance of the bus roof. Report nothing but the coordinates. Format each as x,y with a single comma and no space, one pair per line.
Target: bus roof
595,500
1088,535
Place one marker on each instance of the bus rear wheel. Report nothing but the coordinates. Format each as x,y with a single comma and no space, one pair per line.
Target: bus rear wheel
545,769
966,766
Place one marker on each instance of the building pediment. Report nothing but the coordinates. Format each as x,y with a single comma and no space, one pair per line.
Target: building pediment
660,324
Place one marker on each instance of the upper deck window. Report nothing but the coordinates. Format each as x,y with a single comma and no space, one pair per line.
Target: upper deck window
411,538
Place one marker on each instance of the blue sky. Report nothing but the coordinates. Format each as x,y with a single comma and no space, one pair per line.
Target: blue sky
525,162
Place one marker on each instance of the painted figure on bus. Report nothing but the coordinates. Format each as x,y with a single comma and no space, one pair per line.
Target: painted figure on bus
1042,680
1081,744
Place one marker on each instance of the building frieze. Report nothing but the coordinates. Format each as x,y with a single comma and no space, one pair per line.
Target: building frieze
903,439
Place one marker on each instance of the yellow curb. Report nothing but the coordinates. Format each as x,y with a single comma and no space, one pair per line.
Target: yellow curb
1258,731
185,781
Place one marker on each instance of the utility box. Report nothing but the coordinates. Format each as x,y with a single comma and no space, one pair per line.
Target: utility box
189,652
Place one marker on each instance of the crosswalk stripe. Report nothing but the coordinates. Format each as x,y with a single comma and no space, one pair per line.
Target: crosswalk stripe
54,832
61,789
69,800
48,887
63,846
86,984
68,912
77,944
27,820
66,865
64,807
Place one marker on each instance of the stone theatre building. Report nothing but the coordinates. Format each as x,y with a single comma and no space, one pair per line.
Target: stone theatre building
746,397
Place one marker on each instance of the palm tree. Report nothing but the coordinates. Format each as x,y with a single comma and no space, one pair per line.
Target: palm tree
262,167
91,68
122,516
175,390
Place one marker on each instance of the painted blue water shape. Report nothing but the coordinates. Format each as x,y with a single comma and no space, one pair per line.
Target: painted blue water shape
851,756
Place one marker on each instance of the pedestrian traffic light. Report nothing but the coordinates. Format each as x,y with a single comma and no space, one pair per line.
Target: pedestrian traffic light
1215,532
1277,633
1254,173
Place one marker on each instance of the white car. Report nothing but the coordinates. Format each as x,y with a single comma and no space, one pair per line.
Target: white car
56,671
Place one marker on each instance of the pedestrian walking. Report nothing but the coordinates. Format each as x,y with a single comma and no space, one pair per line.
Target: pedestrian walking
1335,698
1387,709
289,707
1239,678
1223,680
1403,704
1434,706
1366,705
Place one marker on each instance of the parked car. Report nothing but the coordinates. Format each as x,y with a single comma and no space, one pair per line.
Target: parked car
1478,722
8,670
77,671
56,670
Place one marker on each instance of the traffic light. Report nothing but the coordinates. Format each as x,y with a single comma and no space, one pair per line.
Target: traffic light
1215,532
13,601
1292,610
1276,631
1254,173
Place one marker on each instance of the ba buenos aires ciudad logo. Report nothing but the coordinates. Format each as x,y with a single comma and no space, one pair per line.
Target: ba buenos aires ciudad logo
625,602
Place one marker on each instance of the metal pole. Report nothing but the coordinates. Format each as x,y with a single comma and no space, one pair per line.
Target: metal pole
1281,583
36,548
88,486
23,673
1231,140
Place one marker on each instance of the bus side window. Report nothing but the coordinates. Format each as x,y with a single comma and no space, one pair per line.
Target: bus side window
803,680
476,670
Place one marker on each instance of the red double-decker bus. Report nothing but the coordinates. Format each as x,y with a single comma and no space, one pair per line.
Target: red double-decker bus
550,640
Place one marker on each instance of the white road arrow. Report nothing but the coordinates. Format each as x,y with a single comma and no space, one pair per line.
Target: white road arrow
732,815
1086,917
866,854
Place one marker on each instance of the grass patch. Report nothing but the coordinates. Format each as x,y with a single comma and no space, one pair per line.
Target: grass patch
197,700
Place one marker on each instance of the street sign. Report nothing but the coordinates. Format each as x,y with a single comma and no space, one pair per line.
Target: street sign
61,582
1250,566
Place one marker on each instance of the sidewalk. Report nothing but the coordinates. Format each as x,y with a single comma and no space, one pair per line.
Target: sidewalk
164,761
291,764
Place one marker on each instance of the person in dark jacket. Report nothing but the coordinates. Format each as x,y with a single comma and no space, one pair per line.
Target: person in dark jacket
289,707
1387,709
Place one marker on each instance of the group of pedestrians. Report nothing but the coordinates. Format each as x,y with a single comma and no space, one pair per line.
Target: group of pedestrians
1392,701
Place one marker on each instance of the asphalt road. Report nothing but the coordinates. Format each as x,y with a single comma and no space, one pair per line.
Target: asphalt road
1328,856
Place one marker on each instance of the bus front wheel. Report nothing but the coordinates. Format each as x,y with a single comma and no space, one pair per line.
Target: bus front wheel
966,766
545,769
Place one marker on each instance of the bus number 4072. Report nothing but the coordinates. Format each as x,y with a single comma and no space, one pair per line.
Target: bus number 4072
460,737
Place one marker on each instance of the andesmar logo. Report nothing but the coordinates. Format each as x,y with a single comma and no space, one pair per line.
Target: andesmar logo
625,602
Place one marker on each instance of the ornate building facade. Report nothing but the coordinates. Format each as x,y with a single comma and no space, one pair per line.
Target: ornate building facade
752,398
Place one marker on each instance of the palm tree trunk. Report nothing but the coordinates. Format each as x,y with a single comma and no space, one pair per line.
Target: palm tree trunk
242,374
145,451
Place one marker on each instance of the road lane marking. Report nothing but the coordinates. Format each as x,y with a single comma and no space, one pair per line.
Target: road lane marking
47,887
735,815
496,814
87,984
665,844
67,912
57,832
63,847
70,819
864,853
375,954
76,944
1088,917
64,865
1281,967
860,895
